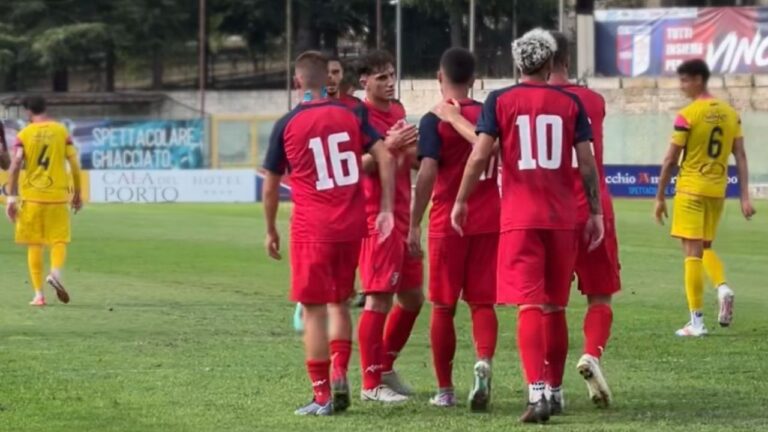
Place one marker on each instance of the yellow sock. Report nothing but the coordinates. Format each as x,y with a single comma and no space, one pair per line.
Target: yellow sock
35,263
58,256
714,268
694,283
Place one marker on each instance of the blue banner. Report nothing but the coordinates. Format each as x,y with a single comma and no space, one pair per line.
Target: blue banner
641,181
133,144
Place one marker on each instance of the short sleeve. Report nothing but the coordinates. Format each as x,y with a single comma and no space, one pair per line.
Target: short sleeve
429,137
583,127
488,123
682,129
369,133
275,160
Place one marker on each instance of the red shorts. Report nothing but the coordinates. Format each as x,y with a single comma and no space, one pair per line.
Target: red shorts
323,273
463,266
388,267
598,271
535,266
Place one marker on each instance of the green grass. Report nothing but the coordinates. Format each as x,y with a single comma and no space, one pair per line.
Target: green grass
180,323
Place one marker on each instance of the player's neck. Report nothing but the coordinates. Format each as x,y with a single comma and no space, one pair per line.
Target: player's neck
378,103
704,94
455,92
559,78
534,79
39,118
308,95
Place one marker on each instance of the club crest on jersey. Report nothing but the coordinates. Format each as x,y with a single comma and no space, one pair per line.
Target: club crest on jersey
394,279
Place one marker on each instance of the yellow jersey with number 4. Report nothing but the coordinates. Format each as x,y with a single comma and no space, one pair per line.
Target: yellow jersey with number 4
46,146
705,129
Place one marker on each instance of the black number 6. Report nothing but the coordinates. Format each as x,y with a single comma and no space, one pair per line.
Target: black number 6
715,145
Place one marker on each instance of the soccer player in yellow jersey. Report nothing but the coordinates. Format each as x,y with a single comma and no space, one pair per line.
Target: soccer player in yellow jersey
42,217
707,132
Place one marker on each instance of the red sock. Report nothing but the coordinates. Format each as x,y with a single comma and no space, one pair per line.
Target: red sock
556,329
319,375
530,343
341,350
398,330
597,329
369,336
442,336
485,330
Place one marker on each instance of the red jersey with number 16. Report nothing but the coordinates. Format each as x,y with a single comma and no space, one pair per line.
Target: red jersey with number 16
382,121
537,126
320,143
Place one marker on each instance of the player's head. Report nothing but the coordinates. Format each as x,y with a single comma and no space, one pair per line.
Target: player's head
349,82
35,105
533,53
561,61
311,71
377,75
457,68
335,75
694,75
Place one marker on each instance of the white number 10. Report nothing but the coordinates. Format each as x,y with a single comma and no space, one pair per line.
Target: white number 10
338,158
545,159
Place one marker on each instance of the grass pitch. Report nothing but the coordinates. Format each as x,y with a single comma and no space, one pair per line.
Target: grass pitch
179,322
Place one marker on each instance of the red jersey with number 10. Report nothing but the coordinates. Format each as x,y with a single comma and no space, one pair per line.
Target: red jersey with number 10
321,143
382,121
537,126
594,104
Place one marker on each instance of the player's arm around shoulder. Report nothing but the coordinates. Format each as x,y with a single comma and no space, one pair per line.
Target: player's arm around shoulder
428,156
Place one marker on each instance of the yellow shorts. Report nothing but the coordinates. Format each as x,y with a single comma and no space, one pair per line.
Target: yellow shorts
43,223
696,217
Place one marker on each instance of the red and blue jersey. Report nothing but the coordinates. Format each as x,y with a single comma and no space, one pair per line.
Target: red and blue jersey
439,141
321,143
537,126
594,104
382,121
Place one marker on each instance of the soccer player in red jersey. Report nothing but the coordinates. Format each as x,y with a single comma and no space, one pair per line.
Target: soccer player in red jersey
458,265
321,142
598,270
386,268
338,86
538,126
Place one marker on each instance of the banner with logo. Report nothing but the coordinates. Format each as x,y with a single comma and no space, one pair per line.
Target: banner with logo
172,186
132,144
635,42
641,181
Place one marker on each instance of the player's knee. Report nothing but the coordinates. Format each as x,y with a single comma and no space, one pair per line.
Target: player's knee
707,245
378,302
693,248
338,310
411,299
598,300
317,313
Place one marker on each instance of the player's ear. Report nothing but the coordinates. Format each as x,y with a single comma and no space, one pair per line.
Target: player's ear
440,76
363,81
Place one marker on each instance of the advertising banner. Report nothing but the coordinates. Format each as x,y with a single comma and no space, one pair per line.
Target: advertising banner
641,181
636,42
132,144
174,186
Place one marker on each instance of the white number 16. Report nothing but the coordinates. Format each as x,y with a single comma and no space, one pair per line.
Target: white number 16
338,159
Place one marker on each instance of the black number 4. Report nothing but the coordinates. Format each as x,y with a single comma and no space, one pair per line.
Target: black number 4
715,145
44,160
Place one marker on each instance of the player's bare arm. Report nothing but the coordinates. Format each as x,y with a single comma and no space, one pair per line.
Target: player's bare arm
74,166
594,230
13,184
401,135
742,171
271,194
425,182
386,166
450,111
476,164
667,166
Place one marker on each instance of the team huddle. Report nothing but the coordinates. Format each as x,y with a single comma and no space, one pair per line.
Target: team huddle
519,207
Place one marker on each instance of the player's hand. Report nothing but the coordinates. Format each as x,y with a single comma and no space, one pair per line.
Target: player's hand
401,135
11,210
77,202
459,217
660,211
594,232
414,242
385,223
747,209
448,110
272,243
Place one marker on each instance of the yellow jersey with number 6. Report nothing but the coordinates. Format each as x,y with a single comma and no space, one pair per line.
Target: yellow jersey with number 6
46,146
705,129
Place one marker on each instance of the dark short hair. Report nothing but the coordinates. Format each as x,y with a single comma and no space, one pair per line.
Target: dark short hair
694,68
375,61
458,65
35,104
563,53
313,67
